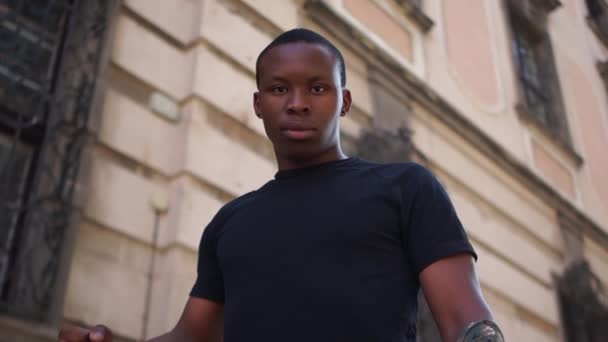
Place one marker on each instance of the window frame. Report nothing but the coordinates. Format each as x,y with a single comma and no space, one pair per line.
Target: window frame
528,18
27,125
65,126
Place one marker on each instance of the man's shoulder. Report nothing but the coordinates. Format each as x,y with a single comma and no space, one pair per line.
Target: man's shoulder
232,206
240,201
400,171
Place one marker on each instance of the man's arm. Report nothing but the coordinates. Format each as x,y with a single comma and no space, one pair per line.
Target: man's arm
452,290
201,321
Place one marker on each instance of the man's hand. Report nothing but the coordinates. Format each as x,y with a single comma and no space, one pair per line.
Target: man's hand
99,333
202,320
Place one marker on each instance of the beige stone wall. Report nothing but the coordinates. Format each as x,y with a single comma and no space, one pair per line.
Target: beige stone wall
373,17
177,125
173,131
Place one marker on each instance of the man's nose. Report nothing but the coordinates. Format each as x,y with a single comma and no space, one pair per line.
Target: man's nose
298,102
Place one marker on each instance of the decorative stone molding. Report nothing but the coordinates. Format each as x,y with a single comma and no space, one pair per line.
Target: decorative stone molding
535,12
602,68
533,7
583,303
383,146
548,5
414,11
597,19
572,238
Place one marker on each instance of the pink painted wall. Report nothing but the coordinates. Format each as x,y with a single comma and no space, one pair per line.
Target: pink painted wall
593,129
557,174
570,7
374,18
469,48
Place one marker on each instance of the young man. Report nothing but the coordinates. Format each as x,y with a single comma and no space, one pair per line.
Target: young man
334,248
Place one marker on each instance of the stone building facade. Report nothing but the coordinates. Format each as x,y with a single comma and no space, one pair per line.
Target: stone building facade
505,101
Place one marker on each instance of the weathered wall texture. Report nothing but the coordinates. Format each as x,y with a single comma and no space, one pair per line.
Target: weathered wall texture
177,125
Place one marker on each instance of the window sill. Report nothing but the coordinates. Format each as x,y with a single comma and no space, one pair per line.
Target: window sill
417,15
13,329
563,146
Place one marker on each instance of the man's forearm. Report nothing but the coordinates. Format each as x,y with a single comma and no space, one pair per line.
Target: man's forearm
178,335
169,337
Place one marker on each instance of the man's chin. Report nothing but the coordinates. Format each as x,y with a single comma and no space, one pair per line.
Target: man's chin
300,153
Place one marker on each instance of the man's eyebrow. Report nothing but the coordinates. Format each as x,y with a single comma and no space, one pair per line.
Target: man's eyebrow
277,78
315,78
318,78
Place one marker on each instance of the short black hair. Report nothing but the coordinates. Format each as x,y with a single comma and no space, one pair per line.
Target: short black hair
307,36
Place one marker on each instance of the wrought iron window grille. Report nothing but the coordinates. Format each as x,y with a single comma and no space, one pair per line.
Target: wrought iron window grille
49,60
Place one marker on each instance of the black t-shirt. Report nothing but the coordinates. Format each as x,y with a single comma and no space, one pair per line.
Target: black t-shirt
330,252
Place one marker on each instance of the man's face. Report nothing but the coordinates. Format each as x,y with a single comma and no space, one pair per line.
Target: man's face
300,99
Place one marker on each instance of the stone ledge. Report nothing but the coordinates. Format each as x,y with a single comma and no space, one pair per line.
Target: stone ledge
14,329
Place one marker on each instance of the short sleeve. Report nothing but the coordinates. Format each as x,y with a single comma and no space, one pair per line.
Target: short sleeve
434,230
209,281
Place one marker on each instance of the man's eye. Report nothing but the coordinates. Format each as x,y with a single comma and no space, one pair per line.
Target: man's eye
318,89
278,90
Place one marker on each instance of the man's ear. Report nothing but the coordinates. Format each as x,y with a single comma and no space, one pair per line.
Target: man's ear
346,101
256,104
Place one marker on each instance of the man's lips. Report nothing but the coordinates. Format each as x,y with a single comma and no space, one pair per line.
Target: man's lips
297,132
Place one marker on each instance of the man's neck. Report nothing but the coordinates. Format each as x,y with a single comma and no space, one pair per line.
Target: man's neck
288,163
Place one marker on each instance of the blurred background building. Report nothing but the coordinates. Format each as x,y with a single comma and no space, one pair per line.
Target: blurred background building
125,125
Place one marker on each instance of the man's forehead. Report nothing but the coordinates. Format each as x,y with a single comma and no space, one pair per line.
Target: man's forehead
287,57
296,49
